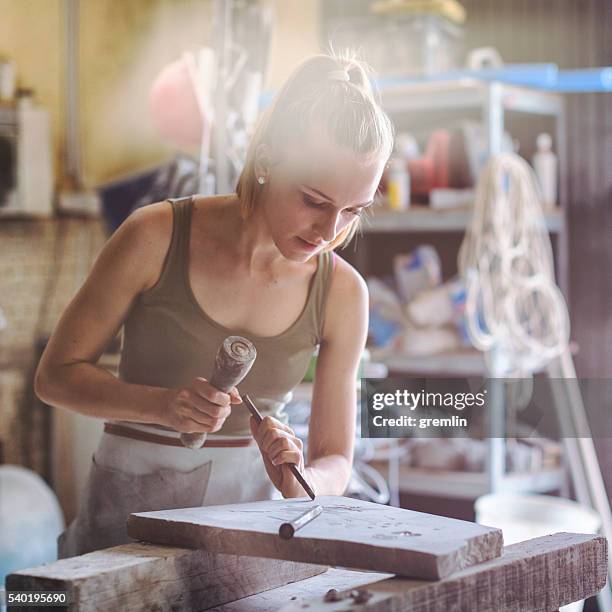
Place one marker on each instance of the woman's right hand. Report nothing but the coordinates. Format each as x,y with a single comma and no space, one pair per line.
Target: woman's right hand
198,407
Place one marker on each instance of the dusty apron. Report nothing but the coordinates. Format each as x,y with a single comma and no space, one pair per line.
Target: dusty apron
129,475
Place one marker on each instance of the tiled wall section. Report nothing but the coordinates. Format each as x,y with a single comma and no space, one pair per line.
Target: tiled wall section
42,265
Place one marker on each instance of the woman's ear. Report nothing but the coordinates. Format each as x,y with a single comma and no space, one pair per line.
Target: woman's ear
263,162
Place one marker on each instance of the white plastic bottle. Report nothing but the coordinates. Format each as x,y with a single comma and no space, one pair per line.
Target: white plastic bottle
545,167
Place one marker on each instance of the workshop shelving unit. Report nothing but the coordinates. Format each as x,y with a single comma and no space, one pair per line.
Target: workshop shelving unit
423,219
469,485
494,101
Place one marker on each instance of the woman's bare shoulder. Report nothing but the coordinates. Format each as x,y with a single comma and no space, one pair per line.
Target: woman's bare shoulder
346,317
148,232
216,201
150,228
346,281
153,220
216,207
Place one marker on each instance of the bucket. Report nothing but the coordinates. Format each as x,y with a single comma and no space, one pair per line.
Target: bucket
523,516
30,521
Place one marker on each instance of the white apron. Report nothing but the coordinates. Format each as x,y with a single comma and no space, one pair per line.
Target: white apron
129,475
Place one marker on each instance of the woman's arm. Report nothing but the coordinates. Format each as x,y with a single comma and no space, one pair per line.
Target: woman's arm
332,420
68,377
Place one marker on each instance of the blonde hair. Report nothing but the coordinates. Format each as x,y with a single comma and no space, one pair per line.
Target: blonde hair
329,91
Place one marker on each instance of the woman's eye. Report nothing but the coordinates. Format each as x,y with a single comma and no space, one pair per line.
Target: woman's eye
356,212
310,202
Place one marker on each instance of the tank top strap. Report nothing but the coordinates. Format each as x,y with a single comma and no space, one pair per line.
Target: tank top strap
182,209
172,278
320,289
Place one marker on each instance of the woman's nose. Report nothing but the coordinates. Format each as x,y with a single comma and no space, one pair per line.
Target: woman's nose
328,225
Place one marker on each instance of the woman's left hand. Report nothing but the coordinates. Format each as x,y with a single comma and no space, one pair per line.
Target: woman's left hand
280,447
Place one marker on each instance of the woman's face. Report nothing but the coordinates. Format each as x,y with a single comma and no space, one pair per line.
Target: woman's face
313,193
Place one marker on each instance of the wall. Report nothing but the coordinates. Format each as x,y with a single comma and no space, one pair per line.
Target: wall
31,34
572,34
42,265
123,45
122,48
295,36
118,67
120,63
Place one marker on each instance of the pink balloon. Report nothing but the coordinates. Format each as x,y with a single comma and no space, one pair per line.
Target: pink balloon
174,107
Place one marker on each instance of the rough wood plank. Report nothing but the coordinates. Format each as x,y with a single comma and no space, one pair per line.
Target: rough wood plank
349,533
140,576
540,574
303,591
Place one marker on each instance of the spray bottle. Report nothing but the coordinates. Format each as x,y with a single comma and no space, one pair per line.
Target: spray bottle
545,166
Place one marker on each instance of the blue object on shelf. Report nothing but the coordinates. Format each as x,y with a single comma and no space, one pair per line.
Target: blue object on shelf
587,80
381,330
515,74
542,76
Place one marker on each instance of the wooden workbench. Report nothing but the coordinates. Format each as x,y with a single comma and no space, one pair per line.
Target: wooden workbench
539,574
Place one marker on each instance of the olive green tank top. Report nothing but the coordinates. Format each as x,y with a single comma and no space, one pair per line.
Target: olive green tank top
168,339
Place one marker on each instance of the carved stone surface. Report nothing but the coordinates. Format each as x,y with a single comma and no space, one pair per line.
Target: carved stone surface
348,533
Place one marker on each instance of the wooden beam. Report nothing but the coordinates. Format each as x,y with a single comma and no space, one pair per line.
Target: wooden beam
540,574
142,577
307,591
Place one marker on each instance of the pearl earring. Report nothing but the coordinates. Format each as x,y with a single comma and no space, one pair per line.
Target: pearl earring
261,180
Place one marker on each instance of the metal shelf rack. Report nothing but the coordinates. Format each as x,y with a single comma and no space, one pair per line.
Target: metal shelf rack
470,485
493,100
423,219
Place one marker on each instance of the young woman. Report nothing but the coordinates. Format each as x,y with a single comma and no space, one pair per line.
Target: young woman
182,275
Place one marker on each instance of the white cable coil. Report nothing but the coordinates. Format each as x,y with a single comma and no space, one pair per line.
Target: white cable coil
513,308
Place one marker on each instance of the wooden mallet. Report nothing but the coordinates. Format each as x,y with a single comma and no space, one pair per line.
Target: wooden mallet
232,363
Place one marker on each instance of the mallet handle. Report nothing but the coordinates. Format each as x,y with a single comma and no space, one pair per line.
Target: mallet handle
232,363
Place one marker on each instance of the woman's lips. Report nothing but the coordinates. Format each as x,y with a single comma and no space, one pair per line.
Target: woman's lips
308,245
